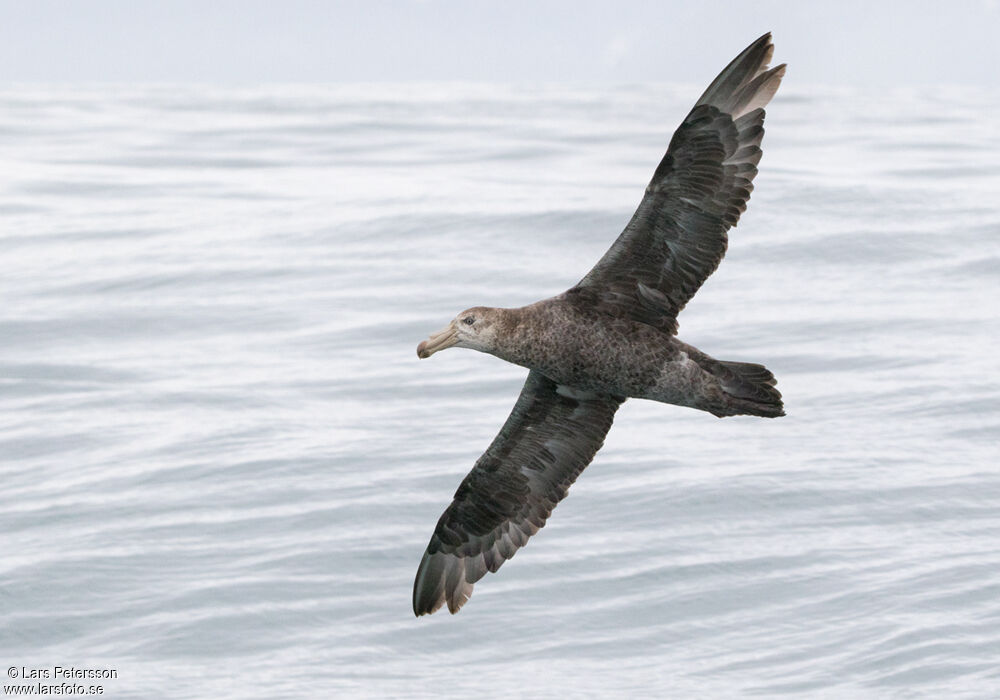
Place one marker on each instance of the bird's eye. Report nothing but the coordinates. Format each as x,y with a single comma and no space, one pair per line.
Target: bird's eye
468,320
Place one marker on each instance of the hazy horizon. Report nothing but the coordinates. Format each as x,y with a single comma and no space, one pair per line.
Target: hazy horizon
228,42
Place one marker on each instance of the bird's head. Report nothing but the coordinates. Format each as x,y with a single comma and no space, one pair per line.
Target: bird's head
474,328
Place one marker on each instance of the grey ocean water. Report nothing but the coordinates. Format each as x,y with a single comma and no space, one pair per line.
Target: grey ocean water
221,459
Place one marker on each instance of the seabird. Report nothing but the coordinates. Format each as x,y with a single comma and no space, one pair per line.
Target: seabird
609,338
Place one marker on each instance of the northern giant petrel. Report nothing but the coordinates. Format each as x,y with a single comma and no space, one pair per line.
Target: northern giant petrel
611,337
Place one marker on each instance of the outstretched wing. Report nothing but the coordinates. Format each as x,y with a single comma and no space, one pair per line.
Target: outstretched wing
550,436
677,236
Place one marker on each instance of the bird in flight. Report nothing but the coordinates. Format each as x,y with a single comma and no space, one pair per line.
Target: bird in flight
609,338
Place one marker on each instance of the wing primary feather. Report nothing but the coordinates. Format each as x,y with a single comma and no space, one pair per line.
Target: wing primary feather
428,588
751,61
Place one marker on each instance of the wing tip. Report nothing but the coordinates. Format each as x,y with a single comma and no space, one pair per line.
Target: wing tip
443,578
747,72
765,40
428,586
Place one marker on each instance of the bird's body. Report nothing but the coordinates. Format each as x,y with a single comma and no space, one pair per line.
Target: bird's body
610,337
569,342
579,348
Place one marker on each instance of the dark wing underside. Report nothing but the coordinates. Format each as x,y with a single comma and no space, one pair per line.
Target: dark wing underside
546,442
677,236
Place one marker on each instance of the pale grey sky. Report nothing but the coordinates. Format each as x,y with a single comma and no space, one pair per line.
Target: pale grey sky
248,41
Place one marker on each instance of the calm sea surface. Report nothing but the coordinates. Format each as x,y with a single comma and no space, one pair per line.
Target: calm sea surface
220,459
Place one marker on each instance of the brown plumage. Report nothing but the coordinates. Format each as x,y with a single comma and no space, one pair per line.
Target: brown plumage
610,337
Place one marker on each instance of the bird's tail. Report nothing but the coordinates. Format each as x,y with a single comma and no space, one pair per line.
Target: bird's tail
750,388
